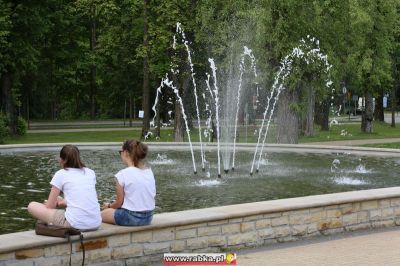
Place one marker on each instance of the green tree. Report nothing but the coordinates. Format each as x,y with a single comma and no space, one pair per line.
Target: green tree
119,62
26,23
377,20
292,21
396,66
162,26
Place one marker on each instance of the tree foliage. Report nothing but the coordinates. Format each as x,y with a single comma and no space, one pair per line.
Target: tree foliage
79,59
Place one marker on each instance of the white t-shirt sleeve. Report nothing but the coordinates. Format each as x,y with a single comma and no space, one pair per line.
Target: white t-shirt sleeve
120,178
57,180
92,174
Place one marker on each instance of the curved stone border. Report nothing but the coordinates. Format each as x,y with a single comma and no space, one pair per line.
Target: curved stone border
367,151
214,229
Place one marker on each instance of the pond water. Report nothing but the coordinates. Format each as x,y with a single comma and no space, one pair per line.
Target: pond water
25,176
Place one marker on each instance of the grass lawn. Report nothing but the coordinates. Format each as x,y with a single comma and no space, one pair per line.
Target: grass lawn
352,131
395,145
73,137
248,134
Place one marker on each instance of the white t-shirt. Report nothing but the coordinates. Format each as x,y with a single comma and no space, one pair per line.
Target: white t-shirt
139,188
79,187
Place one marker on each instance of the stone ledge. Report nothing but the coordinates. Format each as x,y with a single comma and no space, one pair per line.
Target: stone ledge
28,239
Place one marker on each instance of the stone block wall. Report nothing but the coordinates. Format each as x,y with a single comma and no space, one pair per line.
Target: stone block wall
218,229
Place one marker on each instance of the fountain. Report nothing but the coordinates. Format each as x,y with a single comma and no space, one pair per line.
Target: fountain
293,171
226,114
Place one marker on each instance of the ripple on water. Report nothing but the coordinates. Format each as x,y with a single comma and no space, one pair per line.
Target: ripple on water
361,169
162,159
208,183
349,181
19,219
36,190
162,162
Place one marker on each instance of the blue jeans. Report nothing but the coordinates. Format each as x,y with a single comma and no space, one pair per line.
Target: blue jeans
132,218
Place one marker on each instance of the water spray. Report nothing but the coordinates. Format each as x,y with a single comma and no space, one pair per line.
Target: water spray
304,52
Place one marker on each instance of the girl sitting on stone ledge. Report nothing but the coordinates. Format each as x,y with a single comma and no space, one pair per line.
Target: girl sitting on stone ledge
78,184
135,189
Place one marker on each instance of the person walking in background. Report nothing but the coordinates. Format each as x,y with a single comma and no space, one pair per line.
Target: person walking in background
78,184
135,189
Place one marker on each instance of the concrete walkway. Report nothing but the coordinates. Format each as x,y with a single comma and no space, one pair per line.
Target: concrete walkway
356,142
373,248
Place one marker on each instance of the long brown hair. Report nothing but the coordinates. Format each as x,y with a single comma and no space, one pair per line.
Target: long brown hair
137,150
71,157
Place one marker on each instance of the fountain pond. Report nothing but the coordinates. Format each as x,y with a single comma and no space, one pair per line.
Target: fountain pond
26,175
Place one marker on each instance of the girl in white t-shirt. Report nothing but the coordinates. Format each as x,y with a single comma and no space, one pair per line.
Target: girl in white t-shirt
135,189
78,185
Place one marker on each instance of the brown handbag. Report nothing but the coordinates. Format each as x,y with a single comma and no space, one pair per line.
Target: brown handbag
44,229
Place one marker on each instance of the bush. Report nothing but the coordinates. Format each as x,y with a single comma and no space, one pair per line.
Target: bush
21,126
3,128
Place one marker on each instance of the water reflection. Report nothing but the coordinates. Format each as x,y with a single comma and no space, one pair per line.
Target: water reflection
25,177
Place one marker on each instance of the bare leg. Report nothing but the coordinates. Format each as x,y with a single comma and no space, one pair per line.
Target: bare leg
107,216
40,211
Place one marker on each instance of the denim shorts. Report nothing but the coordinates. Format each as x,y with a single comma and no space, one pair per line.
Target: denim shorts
131,218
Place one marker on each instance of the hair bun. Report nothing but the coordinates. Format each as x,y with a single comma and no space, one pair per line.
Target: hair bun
141,150
136,149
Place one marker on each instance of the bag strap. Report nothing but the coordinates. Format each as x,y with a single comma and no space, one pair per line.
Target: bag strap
67,234
83,249
70,248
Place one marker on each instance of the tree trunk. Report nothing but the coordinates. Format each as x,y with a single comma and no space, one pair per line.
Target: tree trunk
8,102
93,71
2,94
308,129
146,74
379,114
322,115
187,103
368,114
179,126
394,106
130,110
288,119
27,113
124,112
157,122
179,129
